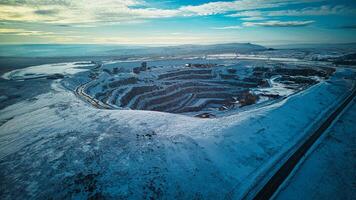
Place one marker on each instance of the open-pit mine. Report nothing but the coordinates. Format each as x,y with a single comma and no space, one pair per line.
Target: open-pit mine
202,90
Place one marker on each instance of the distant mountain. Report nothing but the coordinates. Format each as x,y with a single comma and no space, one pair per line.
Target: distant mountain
316,46
192,49
54,50
58,50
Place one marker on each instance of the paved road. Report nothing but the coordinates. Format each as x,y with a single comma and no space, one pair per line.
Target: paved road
329,171
278,178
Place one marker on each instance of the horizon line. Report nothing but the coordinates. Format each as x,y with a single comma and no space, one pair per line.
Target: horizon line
161,45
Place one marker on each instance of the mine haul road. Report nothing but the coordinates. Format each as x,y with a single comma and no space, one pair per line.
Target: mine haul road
79,91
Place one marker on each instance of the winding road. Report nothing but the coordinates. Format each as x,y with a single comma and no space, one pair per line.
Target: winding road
80,92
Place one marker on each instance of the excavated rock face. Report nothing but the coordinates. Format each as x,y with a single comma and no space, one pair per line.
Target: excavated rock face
194,88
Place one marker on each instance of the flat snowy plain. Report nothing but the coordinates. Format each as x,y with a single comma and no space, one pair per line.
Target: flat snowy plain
58,146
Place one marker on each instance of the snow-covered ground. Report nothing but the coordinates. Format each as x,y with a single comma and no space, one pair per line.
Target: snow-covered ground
47,69
276,88
328,171
58,146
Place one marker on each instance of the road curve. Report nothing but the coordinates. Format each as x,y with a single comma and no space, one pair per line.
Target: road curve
79,91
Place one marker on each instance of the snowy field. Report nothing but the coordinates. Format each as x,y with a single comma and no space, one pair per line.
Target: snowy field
60,146
328,171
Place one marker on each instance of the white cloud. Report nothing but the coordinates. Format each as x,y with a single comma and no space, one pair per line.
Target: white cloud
257,18
149,40
227,27
221,7
252,13
276,23
23,32
176,33
119,11
79,11
309,11
315,11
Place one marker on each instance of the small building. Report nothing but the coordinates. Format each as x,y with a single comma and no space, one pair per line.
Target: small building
136,70
143,66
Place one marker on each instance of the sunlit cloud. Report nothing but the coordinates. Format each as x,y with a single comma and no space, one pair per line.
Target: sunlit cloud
221,7
118,11
23,32
176,33
80,11
150,40
146,21
64,39
21,13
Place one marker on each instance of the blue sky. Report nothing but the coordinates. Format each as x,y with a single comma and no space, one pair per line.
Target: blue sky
152,22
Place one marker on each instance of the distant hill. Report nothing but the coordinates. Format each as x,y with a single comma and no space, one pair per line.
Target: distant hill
316,46
192,49
58,50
